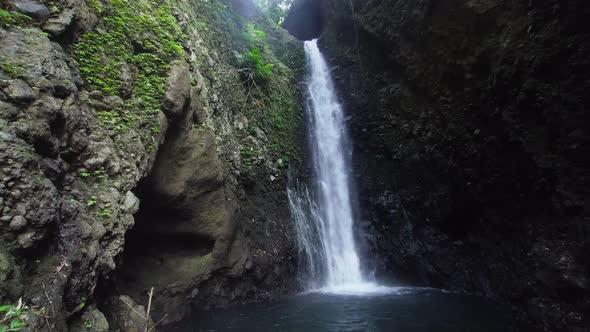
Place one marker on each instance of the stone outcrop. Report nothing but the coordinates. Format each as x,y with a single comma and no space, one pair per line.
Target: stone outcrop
126,164
470,134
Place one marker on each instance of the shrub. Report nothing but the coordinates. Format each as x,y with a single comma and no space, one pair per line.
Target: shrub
252,63
14,317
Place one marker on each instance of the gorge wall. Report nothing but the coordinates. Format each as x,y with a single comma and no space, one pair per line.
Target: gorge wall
470,130
144,144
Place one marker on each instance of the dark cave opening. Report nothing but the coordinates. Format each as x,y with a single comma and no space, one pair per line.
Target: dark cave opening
168,246
158,227
162,245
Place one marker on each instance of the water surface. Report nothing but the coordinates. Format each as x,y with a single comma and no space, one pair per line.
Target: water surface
408,310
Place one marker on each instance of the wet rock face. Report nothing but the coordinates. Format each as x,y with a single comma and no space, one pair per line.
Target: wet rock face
79,170
187,224
126,316
470,140
63,179
177,96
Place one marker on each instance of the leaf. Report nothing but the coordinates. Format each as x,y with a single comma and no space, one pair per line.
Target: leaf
5,308
16,324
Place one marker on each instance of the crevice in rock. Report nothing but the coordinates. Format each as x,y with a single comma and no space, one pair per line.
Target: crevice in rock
57,125
161,243
184,226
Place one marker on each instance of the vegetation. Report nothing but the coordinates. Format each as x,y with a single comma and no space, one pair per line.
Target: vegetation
140,38
279,116
252,64
272,103
99,173
14,317
130,57
96,5
98,177
267,95
12,70
277,10
91,201
104,213
10,18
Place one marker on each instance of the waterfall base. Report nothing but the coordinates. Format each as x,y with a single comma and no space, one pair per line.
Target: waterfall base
361,289
410,310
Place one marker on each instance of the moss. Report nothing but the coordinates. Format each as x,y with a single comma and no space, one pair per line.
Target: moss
274,103
11,69
10,18
104,213
140,38
96,5
276,110
248,154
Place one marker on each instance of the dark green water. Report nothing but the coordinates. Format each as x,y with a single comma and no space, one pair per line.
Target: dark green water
408,311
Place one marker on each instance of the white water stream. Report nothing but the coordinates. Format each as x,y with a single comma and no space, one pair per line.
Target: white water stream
325,225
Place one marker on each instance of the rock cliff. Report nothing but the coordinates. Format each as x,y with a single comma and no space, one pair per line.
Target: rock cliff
470,129
144,144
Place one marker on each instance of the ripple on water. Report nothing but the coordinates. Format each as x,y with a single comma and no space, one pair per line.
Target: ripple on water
365,307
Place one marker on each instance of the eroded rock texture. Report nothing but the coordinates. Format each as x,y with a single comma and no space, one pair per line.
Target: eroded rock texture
470,126
134,155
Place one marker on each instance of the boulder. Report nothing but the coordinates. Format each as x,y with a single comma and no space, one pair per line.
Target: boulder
92,320
126,315
131,203
42,64
31,8
19,91
18,223
179,89
59,24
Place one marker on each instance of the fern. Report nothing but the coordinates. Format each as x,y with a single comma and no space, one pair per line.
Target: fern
252,63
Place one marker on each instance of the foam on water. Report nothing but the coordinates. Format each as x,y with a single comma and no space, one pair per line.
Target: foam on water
364,289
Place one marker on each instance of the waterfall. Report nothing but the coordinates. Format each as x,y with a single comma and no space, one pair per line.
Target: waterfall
324,218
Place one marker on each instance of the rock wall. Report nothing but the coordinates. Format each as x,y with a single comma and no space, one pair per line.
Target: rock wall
470,132
138,149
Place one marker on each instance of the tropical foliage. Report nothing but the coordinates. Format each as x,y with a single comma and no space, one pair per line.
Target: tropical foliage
277,10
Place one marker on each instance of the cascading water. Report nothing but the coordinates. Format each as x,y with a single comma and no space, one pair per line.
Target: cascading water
325,230
328,256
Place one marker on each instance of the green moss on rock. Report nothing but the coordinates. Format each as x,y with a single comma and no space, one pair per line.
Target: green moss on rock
10,18
11,69
258,67
129,55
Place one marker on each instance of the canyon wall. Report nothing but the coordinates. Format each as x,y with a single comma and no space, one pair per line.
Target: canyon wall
470,129
144,144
